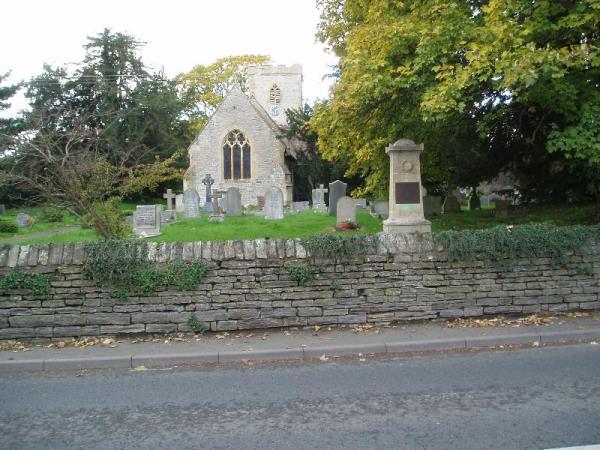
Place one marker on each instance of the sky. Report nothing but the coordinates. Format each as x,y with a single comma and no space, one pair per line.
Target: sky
178,34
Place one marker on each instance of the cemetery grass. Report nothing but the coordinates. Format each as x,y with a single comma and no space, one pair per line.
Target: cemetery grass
254,227
484,218
38,225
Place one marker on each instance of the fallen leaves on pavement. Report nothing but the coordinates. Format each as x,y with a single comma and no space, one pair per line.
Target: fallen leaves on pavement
512,322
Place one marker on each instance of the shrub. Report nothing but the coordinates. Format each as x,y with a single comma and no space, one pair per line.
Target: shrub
107,219
302,273
8,227
196,325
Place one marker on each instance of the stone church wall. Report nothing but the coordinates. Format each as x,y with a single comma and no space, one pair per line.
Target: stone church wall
206,155
248,286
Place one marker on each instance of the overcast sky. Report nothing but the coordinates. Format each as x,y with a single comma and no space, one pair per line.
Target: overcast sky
178,33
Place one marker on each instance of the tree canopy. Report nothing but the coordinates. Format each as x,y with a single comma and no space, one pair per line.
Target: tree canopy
486,84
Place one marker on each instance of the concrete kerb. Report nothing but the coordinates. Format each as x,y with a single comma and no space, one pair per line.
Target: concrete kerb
293,354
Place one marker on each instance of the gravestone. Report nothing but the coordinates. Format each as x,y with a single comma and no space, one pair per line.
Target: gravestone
381,208
273,203
300,207
24,220
432,205
452,204
318,198
502,208
474,202
168,216
233,202
217,214
208,181
191,204
146,220
405,199
2,208
361,204
345,211
170,196
260,202
179,206
337,190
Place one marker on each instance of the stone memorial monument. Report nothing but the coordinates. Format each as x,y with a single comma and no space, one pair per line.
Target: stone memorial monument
2,208
345,211
405,200
170,196
318,199
452,203
216,215
233,202
337,190
169,215
146,220
191,204
273,203
208,181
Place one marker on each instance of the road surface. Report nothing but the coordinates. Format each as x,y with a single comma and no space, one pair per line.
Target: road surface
522,399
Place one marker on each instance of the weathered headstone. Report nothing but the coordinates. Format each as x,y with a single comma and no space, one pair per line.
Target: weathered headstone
381,208
361,204
451,204
217,214
273,203
191,204
474,202
208,181
260,202
24,220
337,190
502,208
318,198
405,199
233,202
146,220
300,207
345,211
2,208
170,196
168,216
432,205
179,206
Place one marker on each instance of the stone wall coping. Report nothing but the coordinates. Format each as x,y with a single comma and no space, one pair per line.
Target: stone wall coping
277,248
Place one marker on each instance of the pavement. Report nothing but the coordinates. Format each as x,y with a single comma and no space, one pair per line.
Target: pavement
300,344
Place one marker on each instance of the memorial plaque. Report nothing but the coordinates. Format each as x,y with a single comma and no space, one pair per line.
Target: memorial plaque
408,193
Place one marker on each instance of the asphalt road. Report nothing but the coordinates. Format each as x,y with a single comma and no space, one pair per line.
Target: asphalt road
526,399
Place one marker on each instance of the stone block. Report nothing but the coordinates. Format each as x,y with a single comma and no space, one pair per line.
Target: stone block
310,312
161,328
122,329
248,324
227,325
108,319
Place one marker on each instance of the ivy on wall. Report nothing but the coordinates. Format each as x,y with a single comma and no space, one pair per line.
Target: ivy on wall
35,283
125,267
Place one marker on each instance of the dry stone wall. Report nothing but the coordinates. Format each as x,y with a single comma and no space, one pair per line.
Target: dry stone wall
247,286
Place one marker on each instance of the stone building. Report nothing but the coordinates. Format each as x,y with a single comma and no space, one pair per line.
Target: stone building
242,144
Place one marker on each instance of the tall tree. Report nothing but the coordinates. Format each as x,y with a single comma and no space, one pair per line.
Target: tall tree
205,87
511,82
9,126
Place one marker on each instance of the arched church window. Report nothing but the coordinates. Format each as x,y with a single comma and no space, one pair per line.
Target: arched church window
236,156
275,95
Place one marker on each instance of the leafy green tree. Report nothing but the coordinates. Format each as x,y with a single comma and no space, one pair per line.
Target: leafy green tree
9,126
512,83
204,87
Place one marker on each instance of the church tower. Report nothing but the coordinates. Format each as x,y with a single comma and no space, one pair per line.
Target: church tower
276,88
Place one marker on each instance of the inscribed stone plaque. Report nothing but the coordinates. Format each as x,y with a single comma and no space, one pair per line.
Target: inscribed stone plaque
407,193
273,203
233,202
191,204
345,211
260,202
337,190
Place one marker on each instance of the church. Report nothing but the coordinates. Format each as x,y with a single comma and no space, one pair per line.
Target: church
242,143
